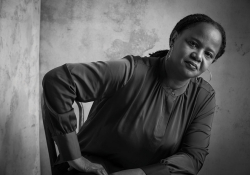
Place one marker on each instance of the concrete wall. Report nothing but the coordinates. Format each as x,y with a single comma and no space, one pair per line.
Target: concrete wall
19,84
91,30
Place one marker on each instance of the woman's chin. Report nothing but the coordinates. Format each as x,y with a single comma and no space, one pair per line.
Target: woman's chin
191,74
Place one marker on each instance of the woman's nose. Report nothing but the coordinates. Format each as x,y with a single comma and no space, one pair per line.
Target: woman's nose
196,56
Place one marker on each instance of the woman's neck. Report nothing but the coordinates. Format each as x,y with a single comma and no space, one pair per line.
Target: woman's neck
172,79
175,84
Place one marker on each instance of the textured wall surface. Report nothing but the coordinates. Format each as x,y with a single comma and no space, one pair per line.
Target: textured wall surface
19,84
91,30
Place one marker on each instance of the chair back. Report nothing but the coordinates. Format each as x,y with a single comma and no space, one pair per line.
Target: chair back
52,150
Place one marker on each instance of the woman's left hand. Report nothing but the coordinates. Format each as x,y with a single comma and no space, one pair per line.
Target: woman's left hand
137,171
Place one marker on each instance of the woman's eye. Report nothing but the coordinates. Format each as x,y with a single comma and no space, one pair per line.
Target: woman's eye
209,55
193,44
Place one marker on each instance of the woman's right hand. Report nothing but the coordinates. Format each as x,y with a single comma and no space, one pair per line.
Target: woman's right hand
84,165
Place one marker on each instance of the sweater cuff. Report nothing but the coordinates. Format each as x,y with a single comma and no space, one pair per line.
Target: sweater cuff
68,147
156,169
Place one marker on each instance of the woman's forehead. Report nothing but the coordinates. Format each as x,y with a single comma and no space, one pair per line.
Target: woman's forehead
205,32
203,29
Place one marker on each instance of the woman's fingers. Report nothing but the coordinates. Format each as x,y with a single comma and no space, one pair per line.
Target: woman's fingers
70,168
101,172
97,168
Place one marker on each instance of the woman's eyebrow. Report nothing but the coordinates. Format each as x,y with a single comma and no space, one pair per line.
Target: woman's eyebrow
197,40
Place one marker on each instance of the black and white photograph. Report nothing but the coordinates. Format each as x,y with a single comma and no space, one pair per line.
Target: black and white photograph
124,87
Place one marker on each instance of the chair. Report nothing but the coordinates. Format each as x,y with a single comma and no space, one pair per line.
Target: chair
50,142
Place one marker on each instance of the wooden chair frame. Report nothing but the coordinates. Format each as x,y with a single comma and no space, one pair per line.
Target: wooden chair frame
50,142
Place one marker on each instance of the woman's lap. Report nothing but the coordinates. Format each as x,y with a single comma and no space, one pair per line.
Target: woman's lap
75,172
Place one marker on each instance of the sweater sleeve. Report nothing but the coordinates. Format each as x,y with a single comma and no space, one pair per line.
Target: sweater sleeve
82,82
194,146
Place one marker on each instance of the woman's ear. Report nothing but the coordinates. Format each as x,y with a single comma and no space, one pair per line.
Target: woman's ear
173,39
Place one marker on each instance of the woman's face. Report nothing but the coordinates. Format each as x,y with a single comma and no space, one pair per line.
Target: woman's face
195,49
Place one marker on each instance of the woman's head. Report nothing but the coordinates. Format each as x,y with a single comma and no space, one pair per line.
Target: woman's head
195,43
193,50
194,19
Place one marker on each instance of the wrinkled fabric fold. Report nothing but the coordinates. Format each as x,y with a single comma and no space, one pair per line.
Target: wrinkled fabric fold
156,169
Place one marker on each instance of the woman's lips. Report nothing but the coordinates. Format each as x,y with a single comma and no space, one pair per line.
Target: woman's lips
191,65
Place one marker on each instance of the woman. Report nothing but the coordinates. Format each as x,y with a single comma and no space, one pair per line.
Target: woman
151,115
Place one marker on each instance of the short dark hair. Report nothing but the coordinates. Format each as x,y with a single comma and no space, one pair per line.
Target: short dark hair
190,21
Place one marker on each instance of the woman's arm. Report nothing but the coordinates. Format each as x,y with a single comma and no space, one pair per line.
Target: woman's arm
81,82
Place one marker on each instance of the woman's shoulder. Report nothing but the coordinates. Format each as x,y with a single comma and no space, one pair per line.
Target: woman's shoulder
200,83
201,93
146,61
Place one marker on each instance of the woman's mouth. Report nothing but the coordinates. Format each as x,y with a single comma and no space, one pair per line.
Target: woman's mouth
191,65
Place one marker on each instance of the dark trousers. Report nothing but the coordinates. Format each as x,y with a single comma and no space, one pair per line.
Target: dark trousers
75,172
